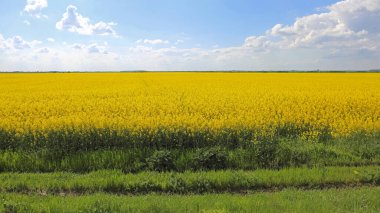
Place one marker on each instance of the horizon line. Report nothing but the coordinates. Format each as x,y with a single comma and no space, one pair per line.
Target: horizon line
204,71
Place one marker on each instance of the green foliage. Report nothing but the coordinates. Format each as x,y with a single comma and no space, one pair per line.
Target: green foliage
270,155
210,159
360,149
161,161
265,154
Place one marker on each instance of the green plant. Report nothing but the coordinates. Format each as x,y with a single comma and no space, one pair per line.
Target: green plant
266,154
161,160
14,207
210,158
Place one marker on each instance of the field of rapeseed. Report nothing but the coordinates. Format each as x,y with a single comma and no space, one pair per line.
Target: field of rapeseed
183,109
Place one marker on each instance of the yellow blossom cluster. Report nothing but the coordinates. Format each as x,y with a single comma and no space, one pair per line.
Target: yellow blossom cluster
343,103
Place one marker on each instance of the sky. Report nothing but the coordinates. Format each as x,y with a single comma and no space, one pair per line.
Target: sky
186,35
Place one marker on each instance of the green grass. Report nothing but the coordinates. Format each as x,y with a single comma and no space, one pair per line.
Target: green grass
355,151
189,182
363,199
99,171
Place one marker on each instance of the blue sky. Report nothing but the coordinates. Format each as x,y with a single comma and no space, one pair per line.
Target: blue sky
189,35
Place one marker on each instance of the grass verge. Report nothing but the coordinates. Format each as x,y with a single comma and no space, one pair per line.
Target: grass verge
365,199
111,181
269,155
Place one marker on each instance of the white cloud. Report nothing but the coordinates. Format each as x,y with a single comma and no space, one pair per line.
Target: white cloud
96,48
2,42
34,8
346,24
50,39
102,28
179,41
91,48
359,15
258,43
77,46
17,43
43,50
72,21
152,41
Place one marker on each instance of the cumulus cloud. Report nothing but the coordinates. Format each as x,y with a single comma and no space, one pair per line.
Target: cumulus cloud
152,41
91,48
34,8
78,46
346,24
72,21
96,48
359,15
43,50
102,28
258,43
17,43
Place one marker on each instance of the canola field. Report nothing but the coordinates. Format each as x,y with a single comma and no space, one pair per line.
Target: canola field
186,107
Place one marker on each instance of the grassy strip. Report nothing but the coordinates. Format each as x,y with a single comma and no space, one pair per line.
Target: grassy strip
363,199
269,155
189,182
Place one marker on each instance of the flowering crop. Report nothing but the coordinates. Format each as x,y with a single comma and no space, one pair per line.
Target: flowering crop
119,107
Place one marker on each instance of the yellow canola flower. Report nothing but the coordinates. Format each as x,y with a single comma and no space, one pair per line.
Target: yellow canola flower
342,103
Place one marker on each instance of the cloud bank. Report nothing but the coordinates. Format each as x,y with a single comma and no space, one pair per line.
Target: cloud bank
16,43
346,36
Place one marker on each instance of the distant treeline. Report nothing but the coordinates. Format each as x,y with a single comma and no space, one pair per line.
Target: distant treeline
210,71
